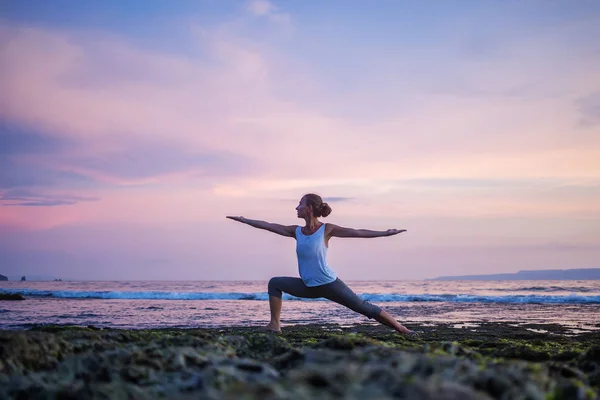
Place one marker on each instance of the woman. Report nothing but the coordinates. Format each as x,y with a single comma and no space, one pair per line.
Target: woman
317,279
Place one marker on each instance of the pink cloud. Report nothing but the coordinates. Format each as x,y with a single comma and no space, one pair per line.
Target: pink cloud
61,82
228,103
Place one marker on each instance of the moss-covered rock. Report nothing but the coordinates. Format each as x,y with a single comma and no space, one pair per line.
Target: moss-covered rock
304,362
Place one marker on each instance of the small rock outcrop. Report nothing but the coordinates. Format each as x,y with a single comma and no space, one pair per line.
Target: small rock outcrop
23,278
3,278
11,296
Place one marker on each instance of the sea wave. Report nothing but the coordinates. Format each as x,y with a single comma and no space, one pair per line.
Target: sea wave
548,289
373,297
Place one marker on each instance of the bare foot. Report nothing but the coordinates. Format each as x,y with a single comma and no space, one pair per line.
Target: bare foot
413,334
271,327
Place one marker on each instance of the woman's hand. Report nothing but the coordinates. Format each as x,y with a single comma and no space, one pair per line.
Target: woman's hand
238,219
392,232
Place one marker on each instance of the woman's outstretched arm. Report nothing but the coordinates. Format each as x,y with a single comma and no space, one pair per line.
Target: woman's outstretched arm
283,230
340,231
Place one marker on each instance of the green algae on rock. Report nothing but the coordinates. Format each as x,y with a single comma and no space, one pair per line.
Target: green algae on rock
305,362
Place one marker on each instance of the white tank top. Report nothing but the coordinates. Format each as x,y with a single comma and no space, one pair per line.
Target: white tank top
312,258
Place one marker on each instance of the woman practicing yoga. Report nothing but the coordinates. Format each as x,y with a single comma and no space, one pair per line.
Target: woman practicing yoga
317,279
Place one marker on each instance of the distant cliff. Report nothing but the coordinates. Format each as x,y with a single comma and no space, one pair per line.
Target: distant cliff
3,278
541,275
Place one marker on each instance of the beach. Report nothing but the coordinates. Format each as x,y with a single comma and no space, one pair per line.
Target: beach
492,360
167,339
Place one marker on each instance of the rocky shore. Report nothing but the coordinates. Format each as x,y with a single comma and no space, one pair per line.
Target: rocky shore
490,361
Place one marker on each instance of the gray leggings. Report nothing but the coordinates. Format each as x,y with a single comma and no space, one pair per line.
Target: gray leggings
336,291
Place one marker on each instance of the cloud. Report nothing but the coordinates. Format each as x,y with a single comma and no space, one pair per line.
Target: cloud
37,202
217,103
338,199
239,112
30,158
263,8
147,160
30,198
260,7
16,140
589,108
330,199
27,156
33,159
232,99
21,173
485,184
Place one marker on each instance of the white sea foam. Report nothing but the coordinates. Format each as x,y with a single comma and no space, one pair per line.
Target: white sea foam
263,296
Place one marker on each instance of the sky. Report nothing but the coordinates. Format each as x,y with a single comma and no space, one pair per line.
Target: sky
129,130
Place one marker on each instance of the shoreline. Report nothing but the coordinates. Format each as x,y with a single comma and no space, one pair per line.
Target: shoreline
472,326
494,360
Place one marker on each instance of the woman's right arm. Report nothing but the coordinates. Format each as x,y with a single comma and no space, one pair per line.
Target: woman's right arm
283,230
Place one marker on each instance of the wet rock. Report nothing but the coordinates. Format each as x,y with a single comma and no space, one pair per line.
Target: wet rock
11,296
288,360
344,343
522,352
565,371
303,363
592,354
428,390
258,346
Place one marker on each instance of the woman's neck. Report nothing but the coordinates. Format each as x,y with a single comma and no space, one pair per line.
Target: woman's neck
312,224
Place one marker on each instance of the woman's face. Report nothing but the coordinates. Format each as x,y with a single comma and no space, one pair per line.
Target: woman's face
303,209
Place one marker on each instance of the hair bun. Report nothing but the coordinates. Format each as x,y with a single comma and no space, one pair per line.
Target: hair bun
325,210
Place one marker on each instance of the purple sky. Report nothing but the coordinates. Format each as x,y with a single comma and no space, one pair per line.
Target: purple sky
128,130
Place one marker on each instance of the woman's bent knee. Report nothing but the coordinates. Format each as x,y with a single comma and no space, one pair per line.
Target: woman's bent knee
274,290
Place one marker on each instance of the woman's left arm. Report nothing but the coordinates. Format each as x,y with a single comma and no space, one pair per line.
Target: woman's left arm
340,231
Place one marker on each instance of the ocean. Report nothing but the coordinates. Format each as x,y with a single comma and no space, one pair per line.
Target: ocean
190,304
